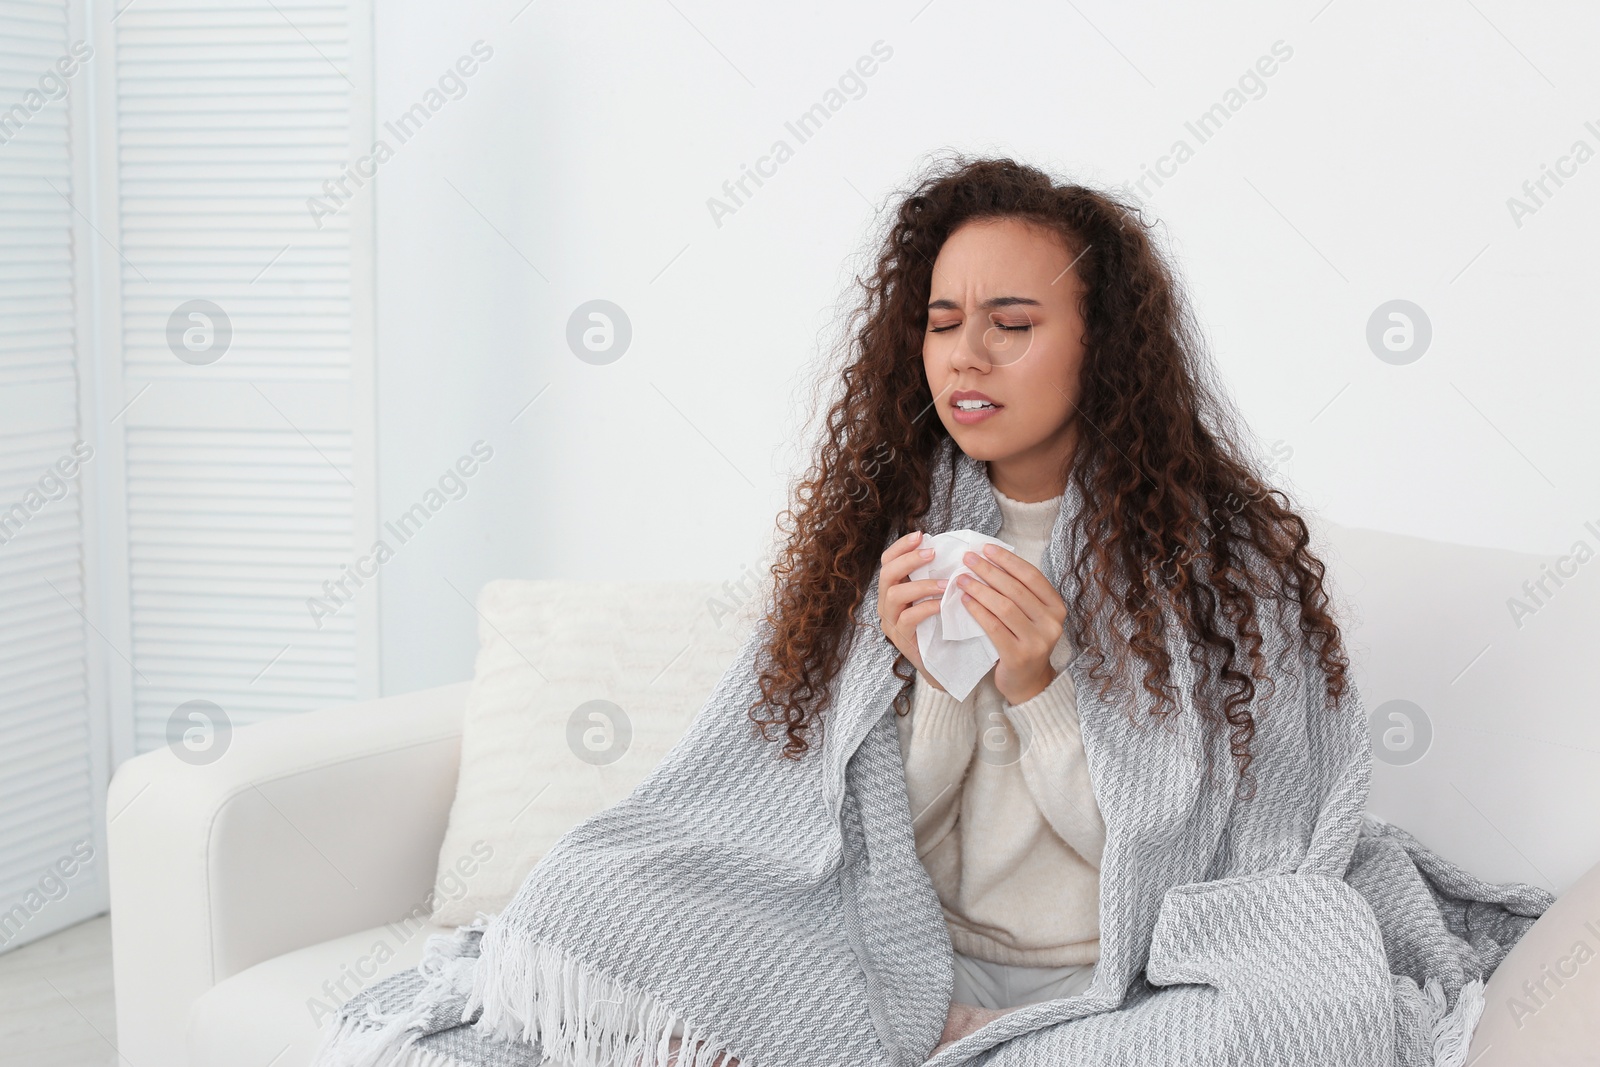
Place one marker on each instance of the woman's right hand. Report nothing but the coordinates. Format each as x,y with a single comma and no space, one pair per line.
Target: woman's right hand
896,613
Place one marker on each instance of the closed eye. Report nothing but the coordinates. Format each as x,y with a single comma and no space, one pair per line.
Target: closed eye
997,325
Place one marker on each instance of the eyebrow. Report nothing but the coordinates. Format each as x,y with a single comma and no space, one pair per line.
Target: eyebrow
987,305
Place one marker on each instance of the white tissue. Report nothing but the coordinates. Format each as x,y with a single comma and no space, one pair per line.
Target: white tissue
954,648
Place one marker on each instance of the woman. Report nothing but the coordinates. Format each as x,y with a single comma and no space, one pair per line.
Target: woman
1036,325
1181,874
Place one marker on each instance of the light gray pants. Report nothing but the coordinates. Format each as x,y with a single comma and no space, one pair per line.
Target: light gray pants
998,986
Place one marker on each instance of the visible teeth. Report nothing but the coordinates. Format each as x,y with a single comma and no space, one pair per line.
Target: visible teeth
973,405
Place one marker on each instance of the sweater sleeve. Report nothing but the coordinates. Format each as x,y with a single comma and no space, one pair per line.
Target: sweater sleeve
1054,766
936,742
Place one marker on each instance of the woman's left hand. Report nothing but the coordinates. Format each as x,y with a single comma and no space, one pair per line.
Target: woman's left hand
1023,615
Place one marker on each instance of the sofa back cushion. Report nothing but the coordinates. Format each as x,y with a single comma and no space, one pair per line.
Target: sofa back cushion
579,690
1477,669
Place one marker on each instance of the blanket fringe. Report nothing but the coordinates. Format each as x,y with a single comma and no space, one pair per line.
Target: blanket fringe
355,1042
1452,1032
580,1015
373,1038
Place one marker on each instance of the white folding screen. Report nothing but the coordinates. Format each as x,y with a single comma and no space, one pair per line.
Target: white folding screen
52,726
186,401
244,370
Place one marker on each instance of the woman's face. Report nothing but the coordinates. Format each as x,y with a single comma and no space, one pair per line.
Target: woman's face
1005,336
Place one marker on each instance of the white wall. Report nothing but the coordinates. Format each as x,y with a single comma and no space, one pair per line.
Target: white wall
1376,165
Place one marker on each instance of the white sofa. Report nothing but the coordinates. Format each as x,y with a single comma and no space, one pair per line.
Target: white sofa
251,895
240,887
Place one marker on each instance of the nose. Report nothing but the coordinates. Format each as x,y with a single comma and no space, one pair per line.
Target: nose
971,351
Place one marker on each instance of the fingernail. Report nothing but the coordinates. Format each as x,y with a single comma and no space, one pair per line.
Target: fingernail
990,550
926,553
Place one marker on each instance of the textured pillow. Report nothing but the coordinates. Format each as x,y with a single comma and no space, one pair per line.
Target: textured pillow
580,688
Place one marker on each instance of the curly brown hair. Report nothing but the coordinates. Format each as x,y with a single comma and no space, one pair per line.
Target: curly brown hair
1176,507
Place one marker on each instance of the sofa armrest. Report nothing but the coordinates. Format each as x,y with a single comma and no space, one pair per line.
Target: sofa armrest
1542,1004
305,828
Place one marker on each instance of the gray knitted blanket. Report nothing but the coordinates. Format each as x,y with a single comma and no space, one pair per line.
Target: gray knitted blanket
777,912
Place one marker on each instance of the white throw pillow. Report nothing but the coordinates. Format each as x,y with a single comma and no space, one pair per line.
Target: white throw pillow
580,689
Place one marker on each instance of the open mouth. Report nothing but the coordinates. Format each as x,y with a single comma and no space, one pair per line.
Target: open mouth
968,407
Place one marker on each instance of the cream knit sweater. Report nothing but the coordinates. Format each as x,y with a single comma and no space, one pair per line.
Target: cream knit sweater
1005,820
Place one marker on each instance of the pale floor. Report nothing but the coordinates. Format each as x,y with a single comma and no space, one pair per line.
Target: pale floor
56,1008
